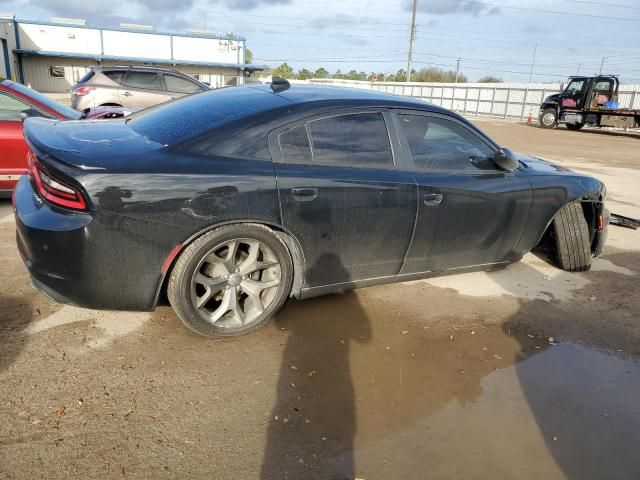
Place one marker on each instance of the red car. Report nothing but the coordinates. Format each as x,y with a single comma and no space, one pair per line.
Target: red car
18,101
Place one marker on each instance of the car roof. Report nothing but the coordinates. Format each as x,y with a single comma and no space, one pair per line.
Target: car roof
99,68
318,94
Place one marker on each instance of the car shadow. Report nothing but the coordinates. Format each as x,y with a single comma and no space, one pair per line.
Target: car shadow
313,422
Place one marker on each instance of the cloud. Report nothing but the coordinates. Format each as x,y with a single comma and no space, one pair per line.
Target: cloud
445,7
246,5
152,12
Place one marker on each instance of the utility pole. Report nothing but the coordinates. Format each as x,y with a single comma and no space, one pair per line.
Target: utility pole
602,65
457,69
412,37
533,61
579,65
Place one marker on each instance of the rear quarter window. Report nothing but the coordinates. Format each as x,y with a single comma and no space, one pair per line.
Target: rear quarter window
116,76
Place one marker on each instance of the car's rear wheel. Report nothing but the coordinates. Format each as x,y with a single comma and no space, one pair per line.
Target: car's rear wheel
231,280
549,118
571,233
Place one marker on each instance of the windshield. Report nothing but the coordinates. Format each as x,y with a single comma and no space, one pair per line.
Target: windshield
66,112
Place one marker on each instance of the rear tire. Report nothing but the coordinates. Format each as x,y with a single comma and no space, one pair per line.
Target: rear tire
574,126
231,280
571,233
549,118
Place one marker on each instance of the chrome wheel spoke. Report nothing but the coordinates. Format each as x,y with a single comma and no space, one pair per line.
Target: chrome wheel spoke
230,259
235,307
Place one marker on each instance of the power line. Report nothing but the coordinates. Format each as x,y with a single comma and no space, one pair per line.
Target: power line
614,5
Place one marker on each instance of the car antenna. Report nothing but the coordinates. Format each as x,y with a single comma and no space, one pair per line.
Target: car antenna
279,84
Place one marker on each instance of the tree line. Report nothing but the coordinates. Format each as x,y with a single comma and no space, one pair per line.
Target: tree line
431,74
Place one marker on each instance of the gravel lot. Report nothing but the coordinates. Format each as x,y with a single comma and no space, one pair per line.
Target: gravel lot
525,373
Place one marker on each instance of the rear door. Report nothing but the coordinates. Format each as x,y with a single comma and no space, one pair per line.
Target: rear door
142,89
343,196
470,212
179,86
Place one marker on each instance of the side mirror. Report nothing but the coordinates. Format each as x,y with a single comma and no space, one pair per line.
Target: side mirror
30,112
506,160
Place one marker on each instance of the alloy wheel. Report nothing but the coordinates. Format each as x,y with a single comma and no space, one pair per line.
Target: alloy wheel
235,282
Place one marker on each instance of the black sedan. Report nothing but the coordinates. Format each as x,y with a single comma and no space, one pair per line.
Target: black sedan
227,203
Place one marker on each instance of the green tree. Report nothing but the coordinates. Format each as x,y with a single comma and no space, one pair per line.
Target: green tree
304,74
248,56
284,71
490,79
433,74
321,73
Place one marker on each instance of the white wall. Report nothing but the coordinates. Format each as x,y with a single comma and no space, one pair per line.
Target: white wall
506,100
203,49
59,39
86,41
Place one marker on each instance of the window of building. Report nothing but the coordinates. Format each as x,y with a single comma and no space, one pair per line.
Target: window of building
146,80
353,140
439,144
56,72
180,85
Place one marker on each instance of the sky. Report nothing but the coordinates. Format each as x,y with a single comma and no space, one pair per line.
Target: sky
491,37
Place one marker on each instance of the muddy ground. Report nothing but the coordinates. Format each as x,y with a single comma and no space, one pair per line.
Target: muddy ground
524,373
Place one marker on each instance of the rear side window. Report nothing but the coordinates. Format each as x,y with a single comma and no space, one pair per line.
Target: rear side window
146,80
353,140
180,85
115,76
294,145
87,76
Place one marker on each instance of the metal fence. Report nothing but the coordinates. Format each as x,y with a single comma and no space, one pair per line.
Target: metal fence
502,100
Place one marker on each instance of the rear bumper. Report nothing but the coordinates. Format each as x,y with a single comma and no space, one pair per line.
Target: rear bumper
71,257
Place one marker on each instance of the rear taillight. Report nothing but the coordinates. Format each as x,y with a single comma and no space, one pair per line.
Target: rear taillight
80,91
53,189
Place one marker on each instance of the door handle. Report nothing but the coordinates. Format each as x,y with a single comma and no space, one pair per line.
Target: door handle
304,194
432,199
127,94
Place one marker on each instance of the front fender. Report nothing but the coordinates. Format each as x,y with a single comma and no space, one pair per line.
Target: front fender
550,194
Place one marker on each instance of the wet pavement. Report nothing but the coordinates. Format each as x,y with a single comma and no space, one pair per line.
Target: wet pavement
526,373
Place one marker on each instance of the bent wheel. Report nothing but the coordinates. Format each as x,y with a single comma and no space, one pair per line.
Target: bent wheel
231,280
571,232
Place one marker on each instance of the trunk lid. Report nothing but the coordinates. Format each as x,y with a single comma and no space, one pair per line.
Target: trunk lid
88,145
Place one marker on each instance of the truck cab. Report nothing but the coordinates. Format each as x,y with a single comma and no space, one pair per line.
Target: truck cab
587,101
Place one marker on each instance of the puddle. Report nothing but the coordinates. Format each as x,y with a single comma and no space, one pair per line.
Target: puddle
389,391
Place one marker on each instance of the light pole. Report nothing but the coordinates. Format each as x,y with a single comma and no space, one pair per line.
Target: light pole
412,37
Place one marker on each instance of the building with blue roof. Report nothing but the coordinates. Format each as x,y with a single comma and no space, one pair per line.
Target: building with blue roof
51,56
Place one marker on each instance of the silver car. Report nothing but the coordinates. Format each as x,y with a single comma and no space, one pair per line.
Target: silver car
131,87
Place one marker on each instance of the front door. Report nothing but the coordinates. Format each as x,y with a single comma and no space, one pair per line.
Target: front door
470,212
342,196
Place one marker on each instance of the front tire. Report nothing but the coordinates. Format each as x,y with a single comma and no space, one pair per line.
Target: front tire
231,281
571,233
549,118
